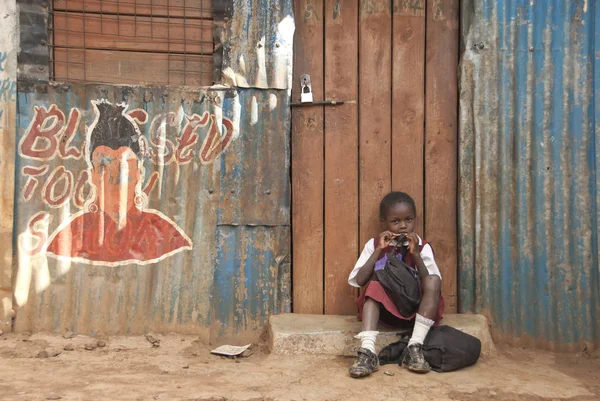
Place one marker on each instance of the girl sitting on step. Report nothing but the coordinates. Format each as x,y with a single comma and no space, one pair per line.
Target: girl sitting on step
398,215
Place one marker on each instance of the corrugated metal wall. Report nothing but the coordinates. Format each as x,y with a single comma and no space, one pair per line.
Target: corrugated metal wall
232,201
529,185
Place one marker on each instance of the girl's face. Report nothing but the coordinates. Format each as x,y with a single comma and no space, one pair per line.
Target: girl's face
400,219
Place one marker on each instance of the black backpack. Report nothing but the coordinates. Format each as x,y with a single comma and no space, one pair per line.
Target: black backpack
401,283
445,349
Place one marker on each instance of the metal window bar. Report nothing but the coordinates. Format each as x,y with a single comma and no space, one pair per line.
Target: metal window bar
174,34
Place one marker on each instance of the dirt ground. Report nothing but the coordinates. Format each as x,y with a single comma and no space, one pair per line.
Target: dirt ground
49,367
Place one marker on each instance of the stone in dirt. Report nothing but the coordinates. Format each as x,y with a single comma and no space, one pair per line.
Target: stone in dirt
42,354
154,341
101,343
90,347
68,335
69,347
54,397
54,353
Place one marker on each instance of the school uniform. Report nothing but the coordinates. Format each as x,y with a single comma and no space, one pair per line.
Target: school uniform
389,313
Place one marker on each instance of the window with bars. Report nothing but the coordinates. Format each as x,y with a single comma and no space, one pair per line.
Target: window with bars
160,42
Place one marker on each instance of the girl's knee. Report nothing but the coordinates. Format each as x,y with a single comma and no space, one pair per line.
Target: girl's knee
432,284
370,301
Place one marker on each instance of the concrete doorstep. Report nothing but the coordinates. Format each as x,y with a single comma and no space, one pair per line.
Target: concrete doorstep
296,334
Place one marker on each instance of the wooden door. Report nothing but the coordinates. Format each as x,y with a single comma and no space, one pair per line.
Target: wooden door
394,65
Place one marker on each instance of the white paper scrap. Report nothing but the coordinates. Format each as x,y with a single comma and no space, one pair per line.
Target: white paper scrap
230,350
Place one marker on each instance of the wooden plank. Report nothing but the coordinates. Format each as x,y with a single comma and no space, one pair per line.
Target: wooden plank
157,8
375,108
408,100
341,156
132,68
307,162
441,138
111,32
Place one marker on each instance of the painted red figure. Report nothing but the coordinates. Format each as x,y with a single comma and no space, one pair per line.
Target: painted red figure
116,228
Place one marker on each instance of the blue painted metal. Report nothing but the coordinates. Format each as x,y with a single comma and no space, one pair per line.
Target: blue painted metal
258,44
529,185
234,276
252,279
254,189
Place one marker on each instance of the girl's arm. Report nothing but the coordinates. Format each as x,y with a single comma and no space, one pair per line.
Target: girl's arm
423,272
413,247
366,271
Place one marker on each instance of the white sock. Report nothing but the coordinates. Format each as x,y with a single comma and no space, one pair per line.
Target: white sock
422,326
367,339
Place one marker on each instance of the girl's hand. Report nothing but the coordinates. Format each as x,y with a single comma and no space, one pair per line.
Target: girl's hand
385,238
413,244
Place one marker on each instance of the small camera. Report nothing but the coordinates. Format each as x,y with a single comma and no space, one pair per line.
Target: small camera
401,241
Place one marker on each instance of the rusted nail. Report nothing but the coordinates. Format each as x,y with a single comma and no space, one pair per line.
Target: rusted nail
277,44
210,191
43,42
41,68
232,191
481,46
268,192
531,49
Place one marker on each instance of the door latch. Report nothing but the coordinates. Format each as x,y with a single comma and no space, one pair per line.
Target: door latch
306,95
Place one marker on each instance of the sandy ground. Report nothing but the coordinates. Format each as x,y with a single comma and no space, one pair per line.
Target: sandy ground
129,368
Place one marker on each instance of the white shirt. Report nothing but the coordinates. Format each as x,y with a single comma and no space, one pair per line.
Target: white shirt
369,249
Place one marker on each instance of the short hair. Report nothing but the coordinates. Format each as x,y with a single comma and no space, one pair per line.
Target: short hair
114,130
394,198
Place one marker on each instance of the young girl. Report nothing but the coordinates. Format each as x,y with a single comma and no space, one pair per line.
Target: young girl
397,214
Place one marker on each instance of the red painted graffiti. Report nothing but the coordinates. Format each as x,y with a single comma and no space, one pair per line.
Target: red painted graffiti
115,175
33,239
79,196
32,182
40,141
189,138
215,143
65,150
49,192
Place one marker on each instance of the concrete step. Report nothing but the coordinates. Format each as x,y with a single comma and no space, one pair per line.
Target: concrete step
294,334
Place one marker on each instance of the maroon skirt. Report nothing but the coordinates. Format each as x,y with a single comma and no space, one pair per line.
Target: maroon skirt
390,315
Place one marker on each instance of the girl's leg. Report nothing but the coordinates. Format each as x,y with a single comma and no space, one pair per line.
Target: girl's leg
432,287
370,314
427,312
367,361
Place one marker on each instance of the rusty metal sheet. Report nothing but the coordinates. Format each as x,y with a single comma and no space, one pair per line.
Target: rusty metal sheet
529,186
33,40
116,218
258,44
252,280
255,185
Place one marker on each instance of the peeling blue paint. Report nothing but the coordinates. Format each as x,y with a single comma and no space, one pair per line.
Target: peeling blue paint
529,188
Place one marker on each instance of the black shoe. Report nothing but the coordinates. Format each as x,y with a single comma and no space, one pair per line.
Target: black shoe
414,359
366,364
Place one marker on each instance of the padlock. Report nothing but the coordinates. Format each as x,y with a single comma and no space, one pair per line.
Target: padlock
306,95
